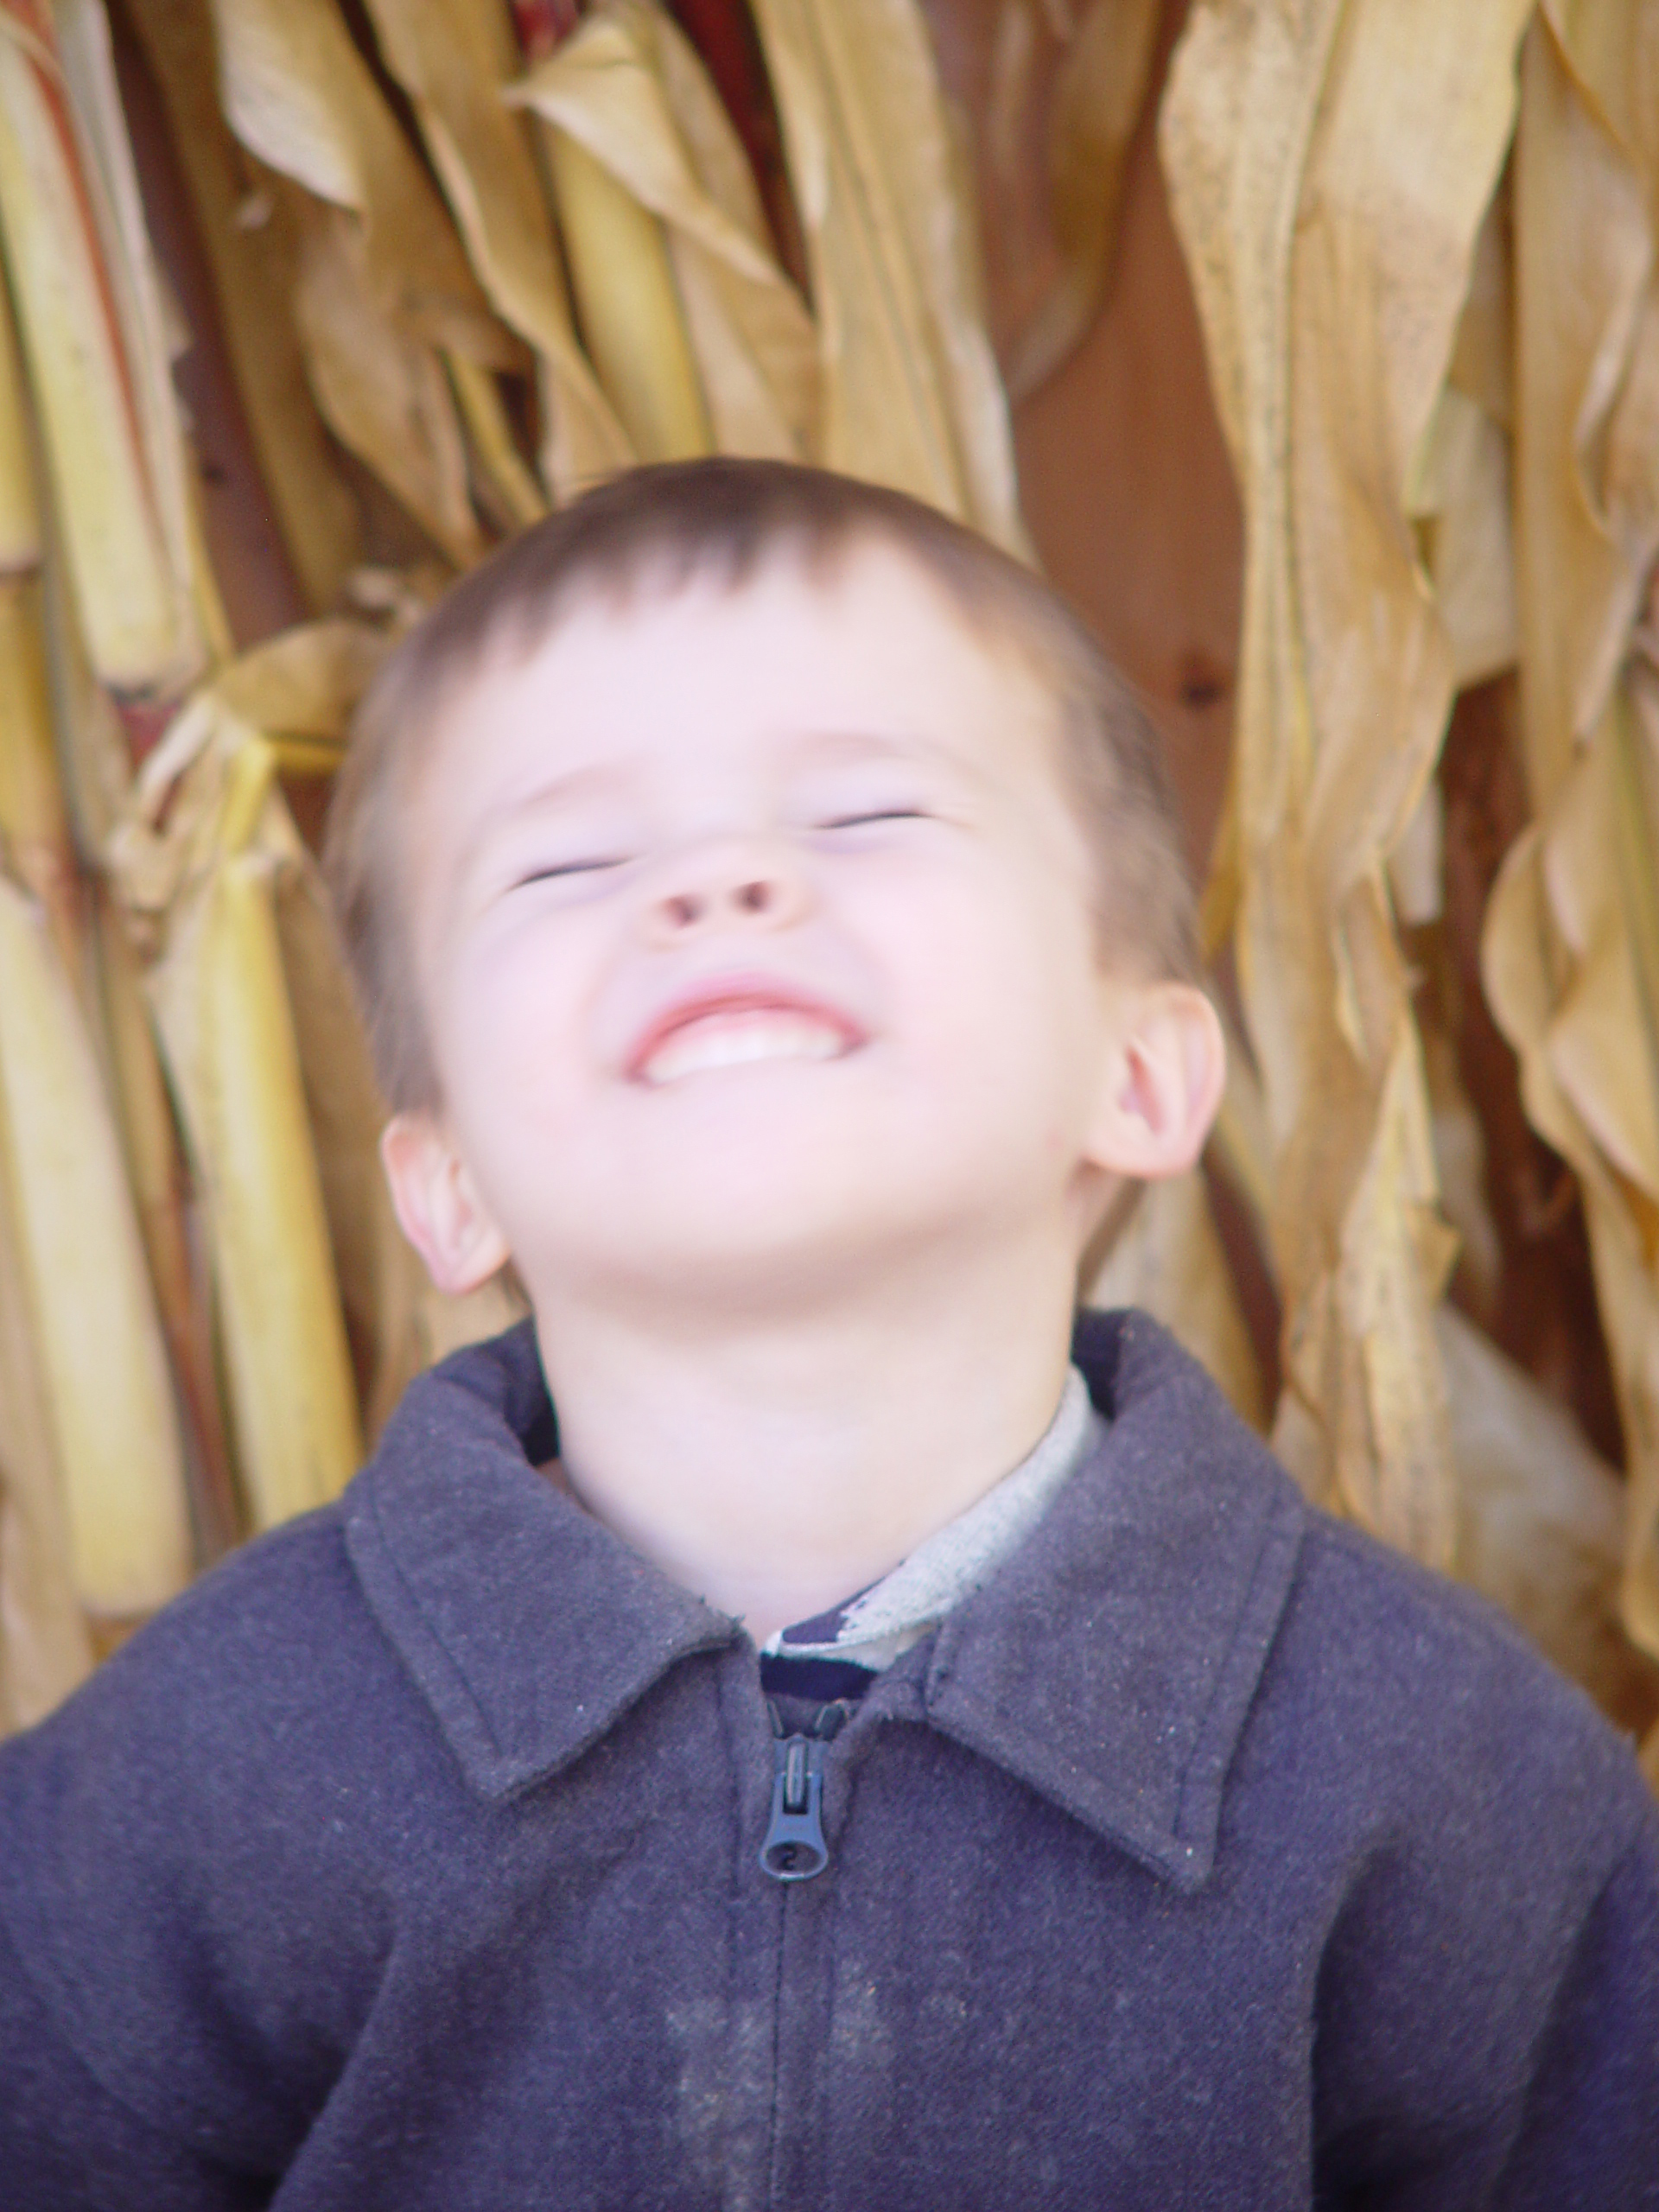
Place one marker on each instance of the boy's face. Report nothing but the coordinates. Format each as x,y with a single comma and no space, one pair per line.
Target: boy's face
754,933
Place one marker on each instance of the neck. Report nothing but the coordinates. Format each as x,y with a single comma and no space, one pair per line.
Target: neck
776,1466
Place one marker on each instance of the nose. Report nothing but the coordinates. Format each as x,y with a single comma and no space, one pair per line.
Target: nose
739,883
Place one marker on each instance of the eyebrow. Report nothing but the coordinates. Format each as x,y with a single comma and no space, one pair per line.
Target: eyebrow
833,745
596,779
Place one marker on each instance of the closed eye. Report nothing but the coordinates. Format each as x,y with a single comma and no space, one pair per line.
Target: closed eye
876,814
555,869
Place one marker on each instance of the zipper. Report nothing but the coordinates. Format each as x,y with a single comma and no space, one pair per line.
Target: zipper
795,1849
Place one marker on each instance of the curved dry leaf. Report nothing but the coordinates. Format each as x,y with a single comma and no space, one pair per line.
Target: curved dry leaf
93,337
910,392
307,682
1098,97
299,95
383,390
44,1650
454,58
1583,252
630,90
250,241
1332,246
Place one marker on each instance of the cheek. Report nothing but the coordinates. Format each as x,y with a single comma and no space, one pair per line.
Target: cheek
1000,1006
510,1022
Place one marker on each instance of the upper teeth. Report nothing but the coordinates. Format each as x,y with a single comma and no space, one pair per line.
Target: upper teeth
725,1041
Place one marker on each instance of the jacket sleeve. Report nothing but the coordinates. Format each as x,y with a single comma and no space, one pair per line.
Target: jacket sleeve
67,2146
1590,2127
189,1928
1488,2031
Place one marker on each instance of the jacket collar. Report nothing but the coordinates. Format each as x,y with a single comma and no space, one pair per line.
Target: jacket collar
1110,1664
1112,1661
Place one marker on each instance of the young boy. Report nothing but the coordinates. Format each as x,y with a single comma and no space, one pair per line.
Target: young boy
773,1731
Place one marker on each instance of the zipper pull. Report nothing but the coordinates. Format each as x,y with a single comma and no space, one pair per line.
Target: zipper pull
795,1849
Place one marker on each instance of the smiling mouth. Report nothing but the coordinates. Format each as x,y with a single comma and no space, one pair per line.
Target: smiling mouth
732,1037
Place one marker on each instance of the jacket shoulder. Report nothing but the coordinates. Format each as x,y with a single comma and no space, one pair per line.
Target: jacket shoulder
205,1835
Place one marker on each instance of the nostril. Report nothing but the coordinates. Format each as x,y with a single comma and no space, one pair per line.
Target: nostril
754,898
682,909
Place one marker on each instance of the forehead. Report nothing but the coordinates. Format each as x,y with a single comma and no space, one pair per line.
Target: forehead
863,638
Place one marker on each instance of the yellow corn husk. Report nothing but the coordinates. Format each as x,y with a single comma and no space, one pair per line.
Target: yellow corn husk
300,96
109,1398
1097,104
382,386
1333,244
631,89
44,1646
911,394
385,287
509,489
156,1175
453,58
34,819
248,234
630,311
19,515
92,330
1571,947
393,1316
221,1001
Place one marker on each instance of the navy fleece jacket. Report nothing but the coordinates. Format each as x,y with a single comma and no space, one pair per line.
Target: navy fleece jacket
1207,1856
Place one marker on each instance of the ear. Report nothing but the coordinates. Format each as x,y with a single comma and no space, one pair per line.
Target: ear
1165,1067
437,1204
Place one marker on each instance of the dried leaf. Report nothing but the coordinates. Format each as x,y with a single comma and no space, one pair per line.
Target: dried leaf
93,336
384,287
631,91
910,392
1571,946
109,1402
222,1005
249,238
454,58
44,1650
1332,245
383,388
305,682
1098,101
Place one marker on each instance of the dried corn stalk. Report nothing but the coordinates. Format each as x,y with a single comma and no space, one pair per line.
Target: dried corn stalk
454,58
385,289
1331,244
77,258
1572,947
249,234
109,1403
221,1002
910,394
1098,102
712,347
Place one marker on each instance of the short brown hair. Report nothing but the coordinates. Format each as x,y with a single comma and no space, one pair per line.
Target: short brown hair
726,517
